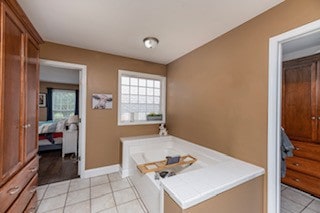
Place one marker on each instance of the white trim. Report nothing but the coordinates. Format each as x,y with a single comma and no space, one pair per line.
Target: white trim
274,109
82,106
163,96
101,171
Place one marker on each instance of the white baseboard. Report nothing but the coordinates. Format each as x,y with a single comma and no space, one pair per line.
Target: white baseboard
101,171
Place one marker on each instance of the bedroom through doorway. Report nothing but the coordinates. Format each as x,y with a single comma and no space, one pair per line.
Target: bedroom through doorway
59,120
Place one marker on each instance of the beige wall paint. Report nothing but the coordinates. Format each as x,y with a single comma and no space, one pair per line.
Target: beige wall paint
43,89
217,94
230,201
102,140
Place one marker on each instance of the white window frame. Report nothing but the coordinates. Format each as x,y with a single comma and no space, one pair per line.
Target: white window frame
162,79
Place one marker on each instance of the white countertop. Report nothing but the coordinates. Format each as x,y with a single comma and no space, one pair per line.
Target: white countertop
191,188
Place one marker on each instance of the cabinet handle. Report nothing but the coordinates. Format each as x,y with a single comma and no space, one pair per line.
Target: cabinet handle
297,148
296,164
313,118
33,169
14,190
26,126
296,180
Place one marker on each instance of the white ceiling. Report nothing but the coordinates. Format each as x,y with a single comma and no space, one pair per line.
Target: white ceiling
119,26
58,75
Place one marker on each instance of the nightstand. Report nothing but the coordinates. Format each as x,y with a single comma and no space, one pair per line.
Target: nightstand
69,144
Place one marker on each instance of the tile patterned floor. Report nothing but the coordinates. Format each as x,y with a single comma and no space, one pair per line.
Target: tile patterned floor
106,193
295,201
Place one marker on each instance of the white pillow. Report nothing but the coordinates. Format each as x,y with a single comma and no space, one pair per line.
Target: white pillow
61,125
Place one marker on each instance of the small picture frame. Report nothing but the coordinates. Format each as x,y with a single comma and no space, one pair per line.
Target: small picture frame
42,100
101,101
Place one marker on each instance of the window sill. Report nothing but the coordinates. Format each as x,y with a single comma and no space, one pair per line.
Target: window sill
141,123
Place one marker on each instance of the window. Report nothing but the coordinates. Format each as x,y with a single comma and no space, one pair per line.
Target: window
141,98
63,103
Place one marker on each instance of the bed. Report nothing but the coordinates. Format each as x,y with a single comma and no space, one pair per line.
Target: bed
51,135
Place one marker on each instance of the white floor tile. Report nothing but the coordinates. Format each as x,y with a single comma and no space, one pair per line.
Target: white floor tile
296,196
57,189
78,196
291,206
114,176
40,191
102,203
111,210
52,203
78,183
143,206
99,180
60,210
130,207
124,196
308,210
97,191
120,184
315,206
83,207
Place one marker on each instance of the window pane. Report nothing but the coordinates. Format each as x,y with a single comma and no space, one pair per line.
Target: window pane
125,99
149,99
134,90
150,83
142,99
156,92
149,91
142,90
142,82
156,100
157,84
63,103
134,99
125,80
133,81
125,89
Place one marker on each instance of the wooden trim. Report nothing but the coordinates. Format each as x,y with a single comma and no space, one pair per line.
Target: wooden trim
17,10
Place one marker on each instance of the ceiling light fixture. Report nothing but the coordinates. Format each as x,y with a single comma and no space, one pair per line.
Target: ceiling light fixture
150,42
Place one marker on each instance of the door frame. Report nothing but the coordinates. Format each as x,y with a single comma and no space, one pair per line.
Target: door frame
82,106
274,108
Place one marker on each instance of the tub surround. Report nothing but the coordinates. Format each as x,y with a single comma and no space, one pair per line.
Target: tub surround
212,174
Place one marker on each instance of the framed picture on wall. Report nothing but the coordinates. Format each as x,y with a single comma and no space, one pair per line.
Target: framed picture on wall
101,101
42,100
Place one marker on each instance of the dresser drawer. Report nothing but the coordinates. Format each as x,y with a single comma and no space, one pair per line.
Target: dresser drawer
32,206
307,150
10,191
302,181
25,196
306,166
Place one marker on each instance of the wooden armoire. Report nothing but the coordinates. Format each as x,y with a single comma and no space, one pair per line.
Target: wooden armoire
301,121
19,83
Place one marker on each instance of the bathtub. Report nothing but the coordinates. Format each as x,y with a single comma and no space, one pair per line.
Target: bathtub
140,150
213,172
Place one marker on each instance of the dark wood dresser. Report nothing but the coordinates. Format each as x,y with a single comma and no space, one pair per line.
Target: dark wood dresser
301,121
19,85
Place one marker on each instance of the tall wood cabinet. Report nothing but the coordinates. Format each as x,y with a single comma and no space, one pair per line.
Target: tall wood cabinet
301,121
19,83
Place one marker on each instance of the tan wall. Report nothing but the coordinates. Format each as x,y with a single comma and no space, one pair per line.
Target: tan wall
230,201
102,141
218,94
43,89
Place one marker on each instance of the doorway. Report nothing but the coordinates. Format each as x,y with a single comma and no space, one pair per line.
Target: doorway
276,45
62,121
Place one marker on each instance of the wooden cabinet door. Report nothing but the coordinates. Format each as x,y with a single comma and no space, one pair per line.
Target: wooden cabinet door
32,85
12,100
299,100
318,99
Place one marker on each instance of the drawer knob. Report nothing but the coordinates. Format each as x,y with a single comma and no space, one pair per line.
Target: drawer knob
296,164
297,148
14,190
297,180
33,169
33,189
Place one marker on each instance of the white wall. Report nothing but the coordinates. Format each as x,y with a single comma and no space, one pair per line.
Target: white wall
59,75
